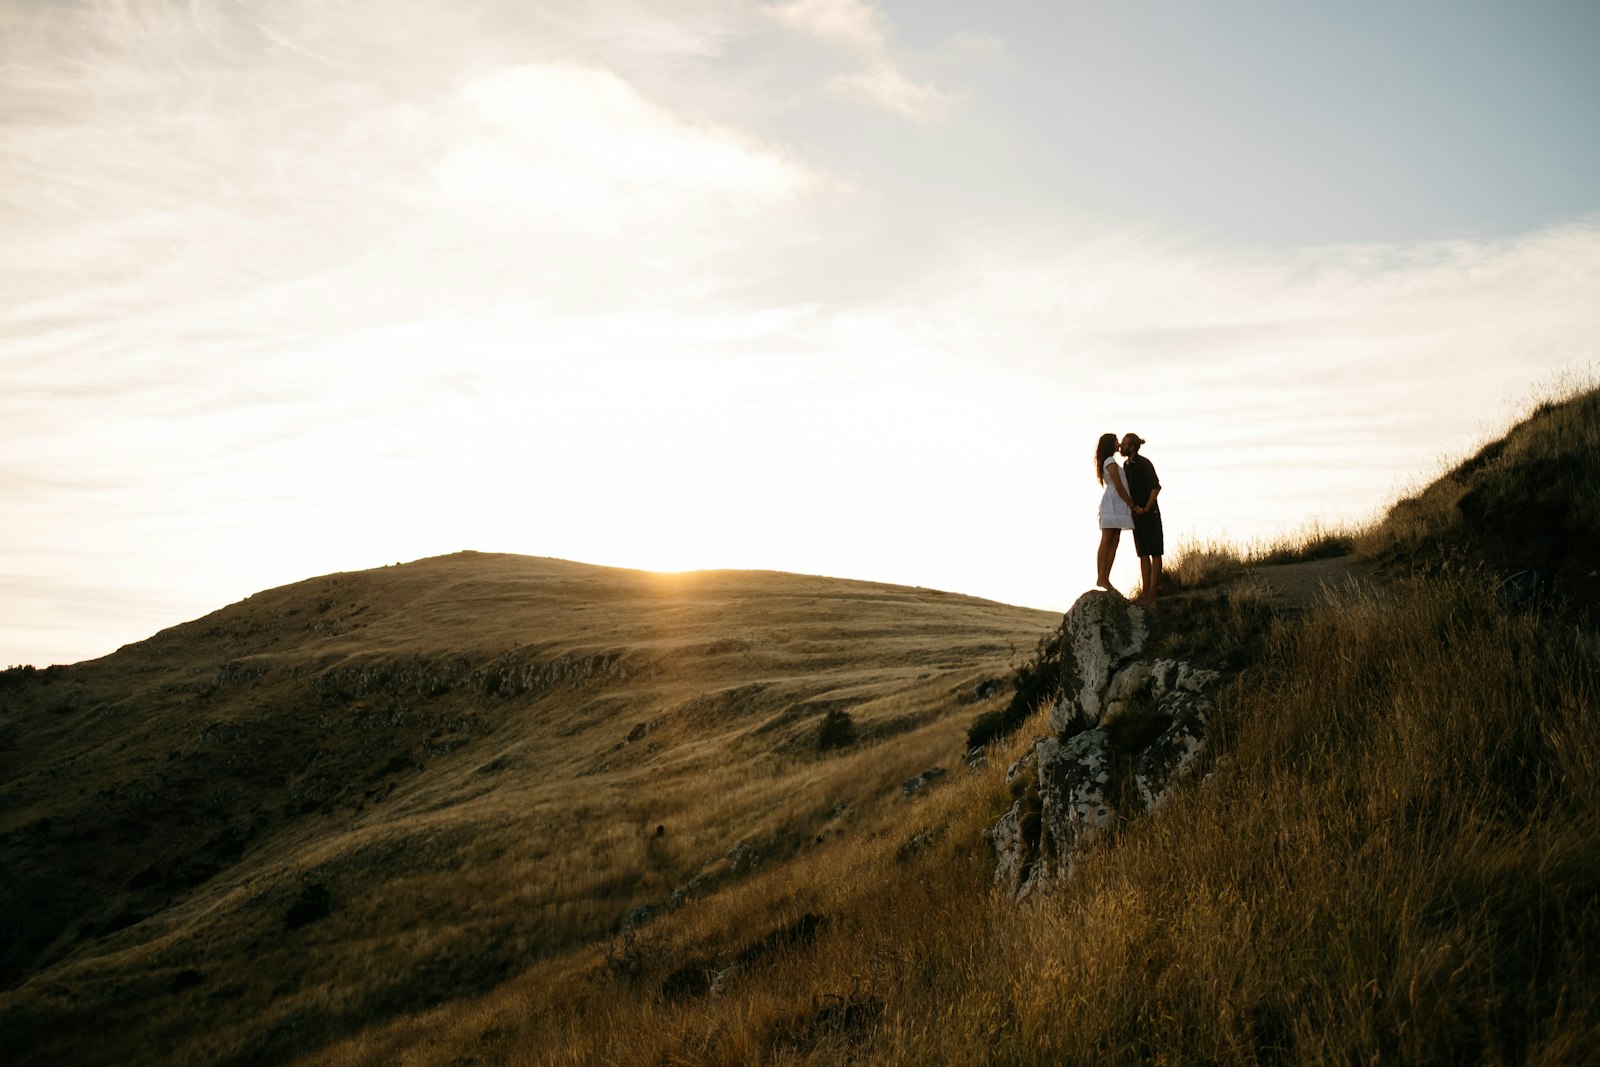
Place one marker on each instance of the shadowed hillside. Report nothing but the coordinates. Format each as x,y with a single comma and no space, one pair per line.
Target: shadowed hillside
368,793
1528,501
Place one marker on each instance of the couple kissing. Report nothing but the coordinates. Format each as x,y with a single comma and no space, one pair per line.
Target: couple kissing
1129,503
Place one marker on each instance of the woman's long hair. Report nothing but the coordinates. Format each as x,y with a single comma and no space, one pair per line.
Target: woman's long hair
1106,447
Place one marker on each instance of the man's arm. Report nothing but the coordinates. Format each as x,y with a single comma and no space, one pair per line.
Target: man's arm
1155,491
1155,483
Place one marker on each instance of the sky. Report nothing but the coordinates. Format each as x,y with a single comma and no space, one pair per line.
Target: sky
290,287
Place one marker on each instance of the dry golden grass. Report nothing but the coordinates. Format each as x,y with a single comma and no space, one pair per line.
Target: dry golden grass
1398,863
1201,565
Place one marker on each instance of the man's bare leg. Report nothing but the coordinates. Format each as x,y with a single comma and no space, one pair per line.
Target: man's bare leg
1150,577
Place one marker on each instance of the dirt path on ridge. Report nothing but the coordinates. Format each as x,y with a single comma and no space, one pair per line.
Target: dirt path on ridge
1300,585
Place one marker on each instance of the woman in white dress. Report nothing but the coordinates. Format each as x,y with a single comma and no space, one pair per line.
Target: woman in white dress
1116,506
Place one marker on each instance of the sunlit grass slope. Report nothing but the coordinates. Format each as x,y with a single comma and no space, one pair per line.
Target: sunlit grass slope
359,796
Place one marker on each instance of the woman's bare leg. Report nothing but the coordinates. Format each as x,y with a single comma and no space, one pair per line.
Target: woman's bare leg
1107,556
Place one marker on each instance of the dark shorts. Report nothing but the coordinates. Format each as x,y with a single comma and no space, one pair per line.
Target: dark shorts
1148,540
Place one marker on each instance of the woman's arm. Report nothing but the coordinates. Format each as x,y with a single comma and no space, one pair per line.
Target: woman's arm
1114,473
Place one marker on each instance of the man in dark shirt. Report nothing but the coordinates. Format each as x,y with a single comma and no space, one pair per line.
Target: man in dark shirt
1144,487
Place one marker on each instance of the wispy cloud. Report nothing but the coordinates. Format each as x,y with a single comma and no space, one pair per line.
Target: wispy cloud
886,86
848,24
863,32
579,147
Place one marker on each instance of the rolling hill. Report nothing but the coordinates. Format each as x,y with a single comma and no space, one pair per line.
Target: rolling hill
367,793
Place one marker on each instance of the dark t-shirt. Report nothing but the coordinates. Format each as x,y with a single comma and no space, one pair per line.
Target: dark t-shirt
1141,475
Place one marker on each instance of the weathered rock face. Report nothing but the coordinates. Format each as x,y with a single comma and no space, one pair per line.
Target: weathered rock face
1127,731
1171,755
1101,632
1074,808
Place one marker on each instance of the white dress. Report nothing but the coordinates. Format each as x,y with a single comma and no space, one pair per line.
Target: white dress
1114,512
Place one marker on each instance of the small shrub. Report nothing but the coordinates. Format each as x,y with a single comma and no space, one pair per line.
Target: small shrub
838,730
314,902
990,726
1034,683
16,675
188,978
1319,544
630,955
846,1018
692,979
1199,566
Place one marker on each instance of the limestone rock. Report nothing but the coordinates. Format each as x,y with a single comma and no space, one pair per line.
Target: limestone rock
1129,689
1167,759
1009,849
1074,780
1141,698
1024,763
1067,716
741,857
1102,631
1170,675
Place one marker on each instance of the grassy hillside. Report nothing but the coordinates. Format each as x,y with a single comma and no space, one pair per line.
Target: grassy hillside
365,794
408,821
1528,501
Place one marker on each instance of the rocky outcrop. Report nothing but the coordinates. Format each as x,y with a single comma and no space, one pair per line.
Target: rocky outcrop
1100,633
917,783
1126,732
